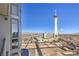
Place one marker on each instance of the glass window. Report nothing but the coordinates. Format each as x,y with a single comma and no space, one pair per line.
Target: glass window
15,45
15,10
14,28
14,40
14,21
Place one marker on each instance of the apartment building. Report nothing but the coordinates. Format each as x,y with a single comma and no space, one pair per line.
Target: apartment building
10,29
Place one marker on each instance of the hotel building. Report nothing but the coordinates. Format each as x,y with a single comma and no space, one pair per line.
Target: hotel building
10,29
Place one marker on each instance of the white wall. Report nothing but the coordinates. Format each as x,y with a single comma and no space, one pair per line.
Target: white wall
5,31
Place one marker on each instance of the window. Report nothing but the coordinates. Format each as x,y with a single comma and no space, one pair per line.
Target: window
14,10
14,40
14,46
14,28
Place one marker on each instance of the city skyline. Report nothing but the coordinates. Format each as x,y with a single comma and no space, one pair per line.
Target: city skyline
38,17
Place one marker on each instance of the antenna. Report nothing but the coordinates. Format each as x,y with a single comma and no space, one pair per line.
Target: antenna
55,12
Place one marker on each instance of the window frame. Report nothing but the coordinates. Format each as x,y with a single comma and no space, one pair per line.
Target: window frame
13,8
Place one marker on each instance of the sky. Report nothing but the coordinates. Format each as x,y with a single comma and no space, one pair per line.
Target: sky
38,17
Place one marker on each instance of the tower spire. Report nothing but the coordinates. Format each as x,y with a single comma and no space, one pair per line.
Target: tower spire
55,12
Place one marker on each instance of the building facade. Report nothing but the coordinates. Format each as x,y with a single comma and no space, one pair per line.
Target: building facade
10,29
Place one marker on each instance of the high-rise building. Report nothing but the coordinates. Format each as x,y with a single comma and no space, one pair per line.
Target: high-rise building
10,25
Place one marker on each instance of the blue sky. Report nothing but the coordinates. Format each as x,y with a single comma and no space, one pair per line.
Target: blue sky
38,17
